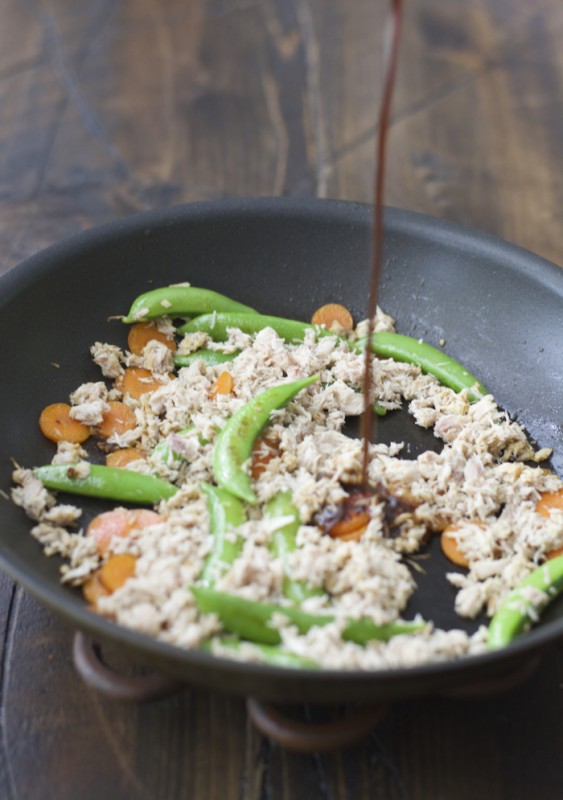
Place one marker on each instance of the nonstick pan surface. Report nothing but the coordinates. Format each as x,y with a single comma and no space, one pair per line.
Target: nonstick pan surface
498,308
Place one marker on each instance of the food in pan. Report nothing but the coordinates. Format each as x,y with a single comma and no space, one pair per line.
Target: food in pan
260,540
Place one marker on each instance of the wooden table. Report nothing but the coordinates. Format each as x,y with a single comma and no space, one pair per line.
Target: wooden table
108,108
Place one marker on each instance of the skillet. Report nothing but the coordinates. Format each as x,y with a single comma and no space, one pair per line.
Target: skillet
497,307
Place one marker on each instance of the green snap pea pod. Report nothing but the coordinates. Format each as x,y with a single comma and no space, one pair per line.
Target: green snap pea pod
251,619
430,360
225,513
112,483
284,542
523,604
234,443
269,654
216,326
208,356
180,301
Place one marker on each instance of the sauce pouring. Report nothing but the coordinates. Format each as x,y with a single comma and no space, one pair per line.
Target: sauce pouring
391,58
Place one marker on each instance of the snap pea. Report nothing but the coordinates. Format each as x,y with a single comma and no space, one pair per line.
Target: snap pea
251,619
225,513
234,443
180,301
111,483
216,326
269,654
208,356
430,360
284,542
522,605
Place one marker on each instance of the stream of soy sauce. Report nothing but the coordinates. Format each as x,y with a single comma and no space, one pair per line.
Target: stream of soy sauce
391,58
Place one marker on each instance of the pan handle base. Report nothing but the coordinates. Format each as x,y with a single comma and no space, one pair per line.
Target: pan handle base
310,737
113,685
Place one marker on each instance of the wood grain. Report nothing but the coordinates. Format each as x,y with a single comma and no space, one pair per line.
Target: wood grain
110,108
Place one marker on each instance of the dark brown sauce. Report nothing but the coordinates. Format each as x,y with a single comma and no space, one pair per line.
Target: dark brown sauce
356,505
338,520
396,510
391,52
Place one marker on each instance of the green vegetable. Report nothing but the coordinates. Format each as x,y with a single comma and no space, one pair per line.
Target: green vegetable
164,452
379,410
269,654
522,606
112,483
234,443
180,301
428,358
284,542
226,512
251,620
216,326
208,356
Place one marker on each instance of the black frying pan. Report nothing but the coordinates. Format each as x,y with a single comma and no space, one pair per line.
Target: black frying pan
498,308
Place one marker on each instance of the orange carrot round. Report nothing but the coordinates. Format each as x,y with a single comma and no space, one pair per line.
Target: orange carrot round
223,385
351,528
119,418
450,546
550,501
333,312
451,550
144,332
124,456
93,588
58,426
117,570
137,381
263,452
119,522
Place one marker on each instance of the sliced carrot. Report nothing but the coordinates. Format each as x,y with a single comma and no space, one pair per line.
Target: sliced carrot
137,381
223,385
333,312
263,452
550,501
119,522
144,332
117,570
351,528
120,458
119,418
451,550
58,426
93,588
449,543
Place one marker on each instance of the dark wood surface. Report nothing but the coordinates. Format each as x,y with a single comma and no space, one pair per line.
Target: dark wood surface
108,108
